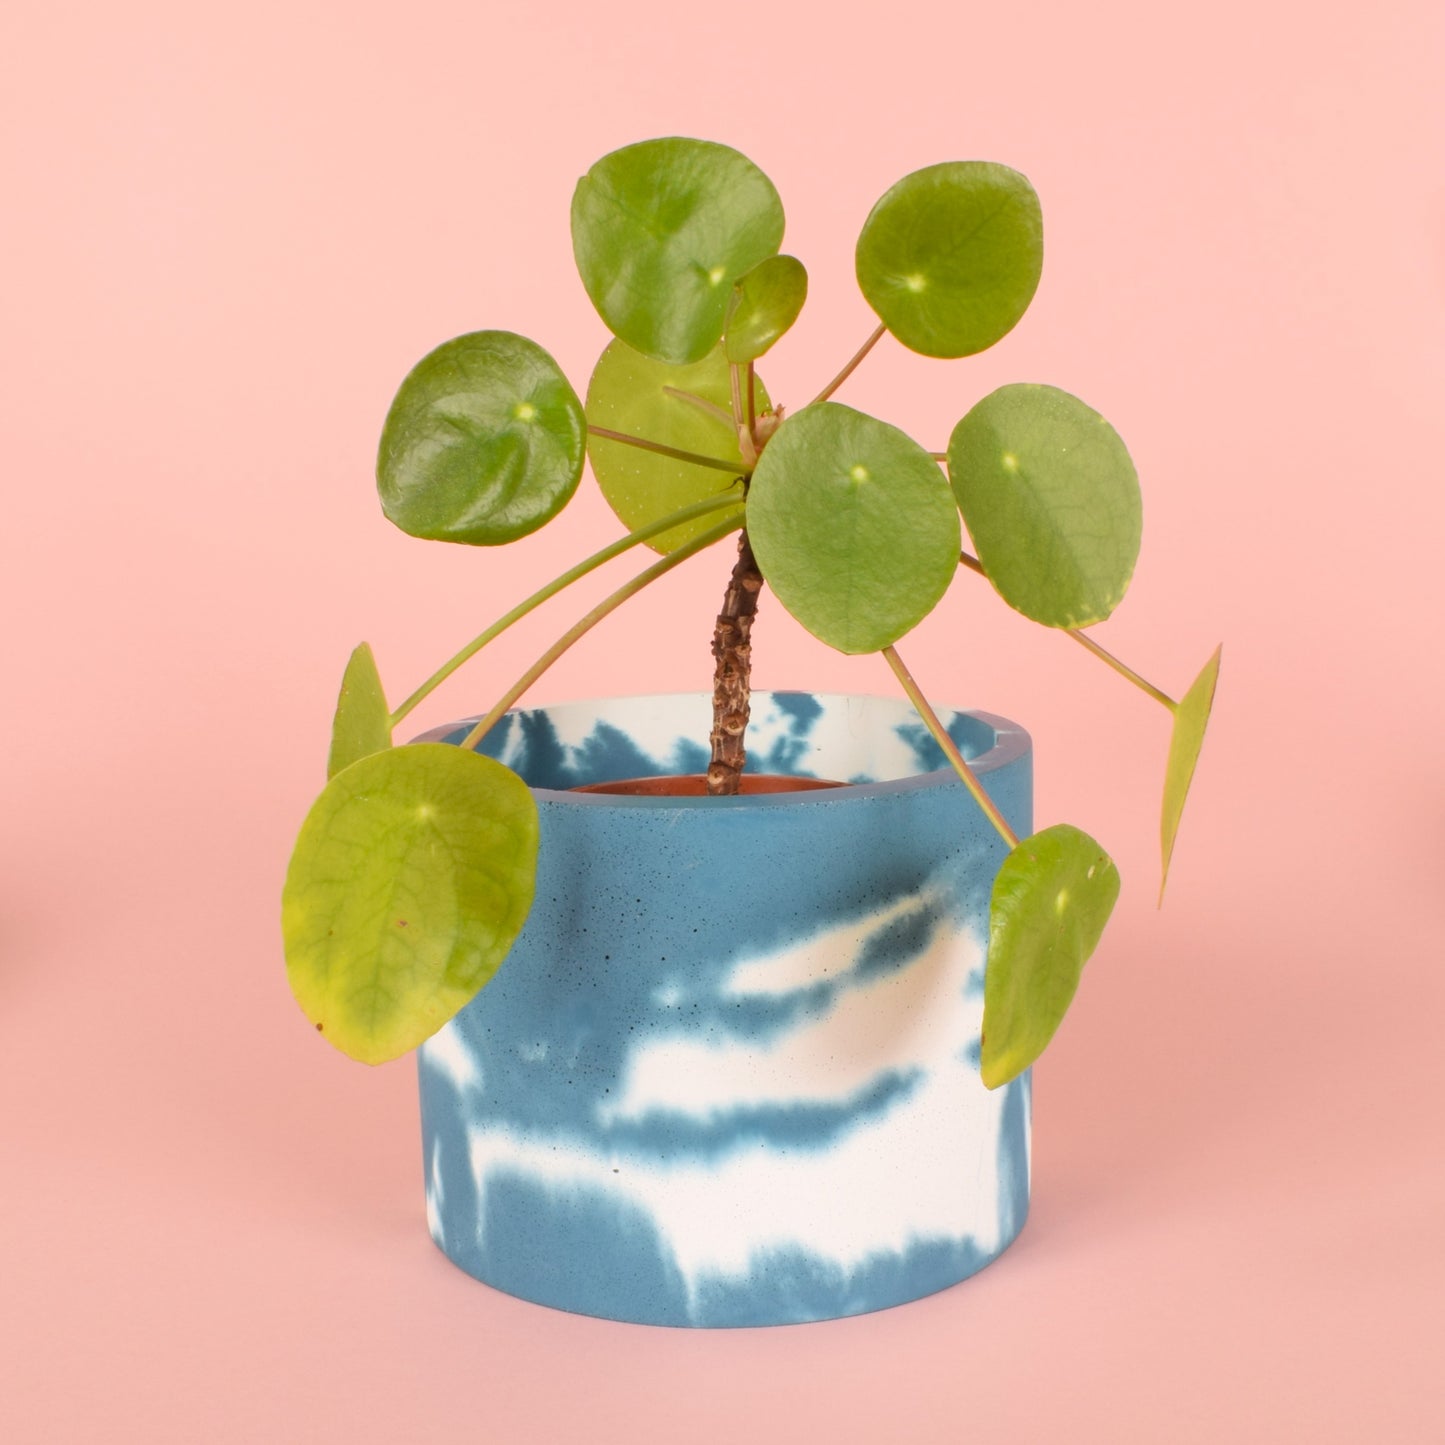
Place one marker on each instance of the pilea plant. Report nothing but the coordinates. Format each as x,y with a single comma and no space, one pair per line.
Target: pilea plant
414,870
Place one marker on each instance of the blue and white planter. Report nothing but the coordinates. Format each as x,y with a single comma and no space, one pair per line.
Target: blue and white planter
729,1073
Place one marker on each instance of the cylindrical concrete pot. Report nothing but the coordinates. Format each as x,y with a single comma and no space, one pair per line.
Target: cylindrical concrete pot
728,1075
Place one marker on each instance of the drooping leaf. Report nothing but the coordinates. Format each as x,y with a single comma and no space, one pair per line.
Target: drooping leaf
1051,500
765,304
362,724
853,526
631,393
1051,899
662,231
950,257
483,443
412,875
1191,718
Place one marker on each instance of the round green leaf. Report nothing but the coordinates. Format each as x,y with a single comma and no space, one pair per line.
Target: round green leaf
765,304
362,724
1191,718
950,257
662,231
687,407
852,525
1051,501
411,877
1051,900
483,444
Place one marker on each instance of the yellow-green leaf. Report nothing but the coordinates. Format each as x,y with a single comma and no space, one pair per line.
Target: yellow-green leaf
1051,899
1191,718
686,407
411,877
362,724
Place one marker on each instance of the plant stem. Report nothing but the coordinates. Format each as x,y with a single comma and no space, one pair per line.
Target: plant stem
752,397
939,456
1123,669
1089,645
701,402
686,514
732,677
674,452
851,367
740,424
580,629
950,748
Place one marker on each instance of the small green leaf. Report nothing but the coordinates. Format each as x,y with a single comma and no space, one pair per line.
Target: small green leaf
1191,718
362,724
631,393
412,875
483,443
765,304
662,231
1051,500
853,527
950,258
1051,900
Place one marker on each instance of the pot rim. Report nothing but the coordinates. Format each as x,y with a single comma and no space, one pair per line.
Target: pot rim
1010,743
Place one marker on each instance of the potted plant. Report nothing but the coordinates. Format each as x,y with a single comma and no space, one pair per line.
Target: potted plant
753,1055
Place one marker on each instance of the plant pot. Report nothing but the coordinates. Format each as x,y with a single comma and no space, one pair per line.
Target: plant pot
729,1073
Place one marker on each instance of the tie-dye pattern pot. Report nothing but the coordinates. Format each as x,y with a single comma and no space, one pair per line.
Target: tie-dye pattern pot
729,1073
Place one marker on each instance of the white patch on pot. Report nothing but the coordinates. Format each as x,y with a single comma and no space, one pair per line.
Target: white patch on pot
435,1195
823,958
447,1052
922,1168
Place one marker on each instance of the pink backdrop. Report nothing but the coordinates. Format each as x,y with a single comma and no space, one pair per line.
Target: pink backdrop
229,232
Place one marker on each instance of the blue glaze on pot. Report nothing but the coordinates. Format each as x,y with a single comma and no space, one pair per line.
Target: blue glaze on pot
729,1073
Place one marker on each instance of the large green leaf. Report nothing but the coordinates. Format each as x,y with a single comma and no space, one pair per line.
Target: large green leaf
853,526
362,724
411,877
1191,718
1051,501
662,231
631,393
765,304
1051,899
950,257
483,444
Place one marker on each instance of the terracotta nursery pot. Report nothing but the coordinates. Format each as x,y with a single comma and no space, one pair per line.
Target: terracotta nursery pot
729,1073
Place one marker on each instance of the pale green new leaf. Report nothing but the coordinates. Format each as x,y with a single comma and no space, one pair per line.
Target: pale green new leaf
1051,899
412,875
1191,718
853,527
362,724
483,443
633,394
662,231
1051,500
951,256
765,304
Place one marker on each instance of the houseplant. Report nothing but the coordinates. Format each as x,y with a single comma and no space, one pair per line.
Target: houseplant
416,868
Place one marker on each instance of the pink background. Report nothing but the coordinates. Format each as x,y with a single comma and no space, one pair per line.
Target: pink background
230,231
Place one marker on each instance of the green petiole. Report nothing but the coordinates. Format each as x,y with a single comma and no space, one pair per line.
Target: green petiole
731,497
586,624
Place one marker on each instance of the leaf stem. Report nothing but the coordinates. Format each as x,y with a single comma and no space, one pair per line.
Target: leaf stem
729,498
1089,645
676,453
852,366
752,397
701,402
950,748
580,629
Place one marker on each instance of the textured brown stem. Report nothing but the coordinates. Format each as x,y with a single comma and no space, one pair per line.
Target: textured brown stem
732,680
